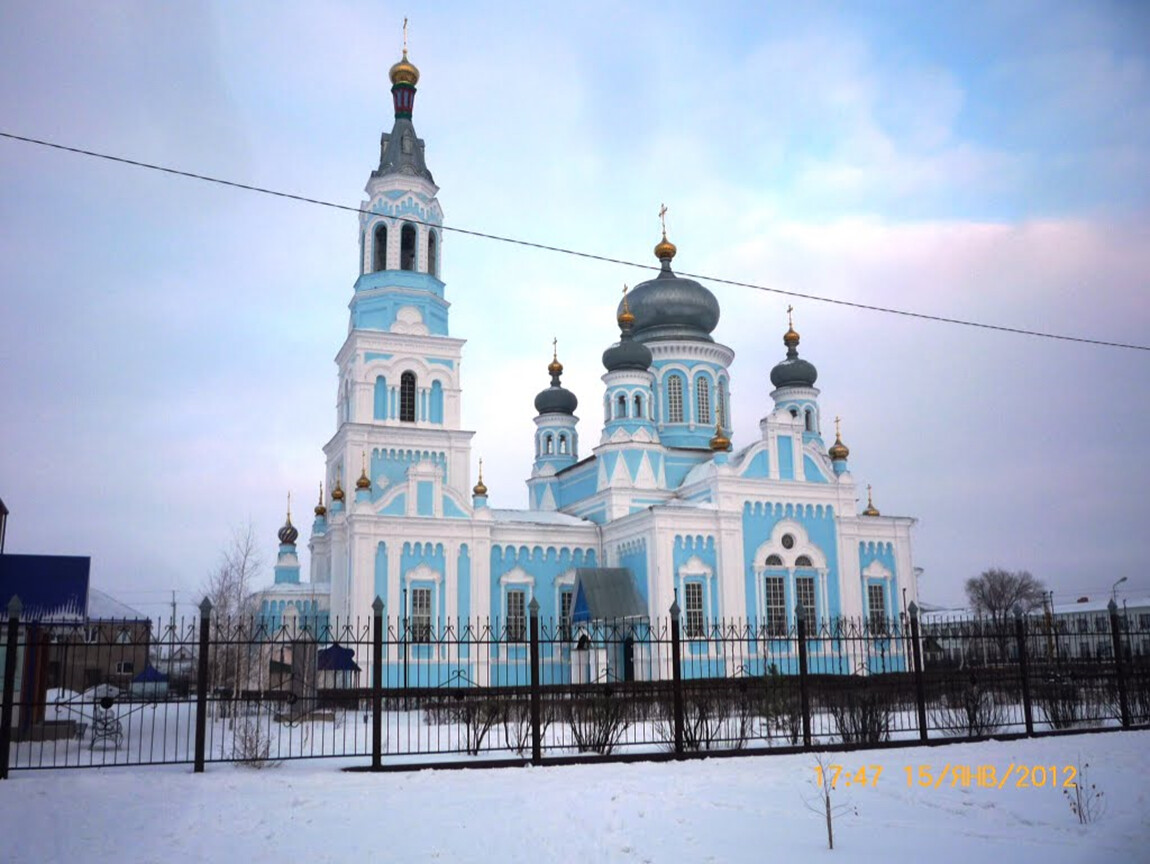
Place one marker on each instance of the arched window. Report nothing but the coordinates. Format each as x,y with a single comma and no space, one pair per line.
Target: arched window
795,412
721,399
562,444
621,406
803,561
674,399
774,561
379,248
606,409
407,247
549,444
407,397
432,253
638,406
810,420
703,400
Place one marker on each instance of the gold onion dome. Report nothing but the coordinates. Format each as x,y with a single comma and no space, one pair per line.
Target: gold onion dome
480,490
337,492
363,482
626,318
838,450
404,72
720,441
320,510
870,510
665,249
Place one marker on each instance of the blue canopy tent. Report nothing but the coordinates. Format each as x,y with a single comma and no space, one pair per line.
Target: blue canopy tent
337,667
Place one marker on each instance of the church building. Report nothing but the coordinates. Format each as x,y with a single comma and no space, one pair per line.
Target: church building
653,506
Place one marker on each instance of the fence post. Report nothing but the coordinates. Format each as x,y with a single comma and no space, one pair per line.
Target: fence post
536,732
919,683
1119,664
676,677
202,685
804,694
10,645
377,684
1024,669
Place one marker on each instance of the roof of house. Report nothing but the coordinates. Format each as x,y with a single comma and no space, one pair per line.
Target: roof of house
50,587
606,594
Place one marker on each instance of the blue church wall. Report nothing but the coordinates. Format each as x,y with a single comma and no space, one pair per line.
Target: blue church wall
379,411
786,458
678,466
633,556
544,565
435,406
451,510
813,473
393,465
578,484
442,361
759,467
379,312
759,521
398,506
425,498
883,553
368,356
273,614
703,548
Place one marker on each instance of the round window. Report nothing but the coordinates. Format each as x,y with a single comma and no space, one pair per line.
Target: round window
788,541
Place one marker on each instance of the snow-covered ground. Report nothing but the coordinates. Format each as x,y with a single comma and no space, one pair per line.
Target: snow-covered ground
722,810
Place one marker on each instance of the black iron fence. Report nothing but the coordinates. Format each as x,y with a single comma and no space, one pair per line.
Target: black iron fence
401,693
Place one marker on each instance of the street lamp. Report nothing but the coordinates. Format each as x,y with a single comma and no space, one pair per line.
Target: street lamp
1114,589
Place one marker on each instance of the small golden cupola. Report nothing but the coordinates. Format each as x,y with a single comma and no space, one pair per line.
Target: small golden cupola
404,72
839,451
320,509
363,482
870,510
664,250
480,490
719,441
337,491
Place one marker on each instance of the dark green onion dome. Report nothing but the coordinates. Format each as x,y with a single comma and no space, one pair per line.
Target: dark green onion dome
671,307
794,371
556,399
627,353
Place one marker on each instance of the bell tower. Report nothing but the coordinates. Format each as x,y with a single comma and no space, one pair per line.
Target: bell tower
398,397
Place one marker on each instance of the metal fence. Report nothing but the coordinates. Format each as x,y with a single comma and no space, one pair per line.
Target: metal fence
408,692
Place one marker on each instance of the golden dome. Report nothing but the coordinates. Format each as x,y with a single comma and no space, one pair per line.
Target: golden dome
870,510
720,441
791,337
320,510
363,482
626,317
838,450
337,492
665,249
404,72
555,367
480,491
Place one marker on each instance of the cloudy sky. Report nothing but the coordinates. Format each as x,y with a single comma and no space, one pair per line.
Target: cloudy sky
167,345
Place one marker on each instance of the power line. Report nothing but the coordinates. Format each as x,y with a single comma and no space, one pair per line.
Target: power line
319,202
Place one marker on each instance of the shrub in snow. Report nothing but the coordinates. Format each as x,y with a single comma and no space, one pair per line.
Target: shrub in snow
598,721
974,710
862,712
252,744
1060,699
1086,801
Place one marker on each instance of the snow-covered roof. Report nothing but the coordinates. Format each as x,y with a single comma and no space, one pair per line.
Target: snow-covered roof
102,606
297,588
1090,607
537,517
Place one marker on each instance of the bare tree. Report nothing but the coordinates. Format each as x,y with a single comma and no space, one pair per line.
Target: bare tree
995,593
229,588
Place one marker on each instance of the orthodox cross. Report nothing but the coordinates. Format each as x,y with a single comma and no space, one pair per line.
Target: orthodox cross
405,36
663,218
790,321
838,434
554,352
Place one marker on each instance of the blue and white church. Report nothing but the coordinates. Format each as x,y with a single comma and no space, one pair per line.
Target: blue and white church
656,496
